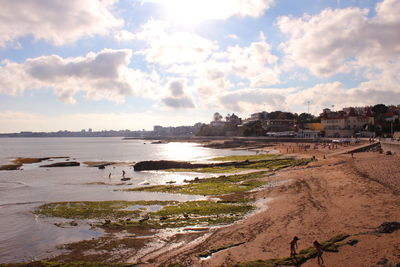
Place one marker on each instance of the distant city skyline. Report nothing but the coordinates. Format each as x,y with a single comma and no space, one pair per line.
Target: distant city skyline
132,64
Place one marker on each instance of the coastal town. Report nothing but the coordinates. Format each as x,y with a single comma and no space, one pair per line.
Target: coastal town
307,191
187,133
367,122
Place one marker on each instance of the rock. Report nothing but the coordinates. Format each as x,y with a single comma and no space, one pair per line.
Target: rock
165,164
170,164
10,167
159,142
125,179
388,227
62,164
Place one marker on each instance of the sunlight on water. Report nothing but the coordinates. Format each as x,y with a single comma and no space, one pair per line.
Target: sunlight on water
183,151
23,190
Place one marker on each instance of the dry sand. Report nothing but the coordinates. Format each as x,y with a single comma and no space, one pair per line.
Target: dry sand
339,194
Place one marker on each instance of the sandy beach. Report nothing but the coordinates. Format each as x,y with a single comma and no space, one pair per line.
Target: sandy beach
336,195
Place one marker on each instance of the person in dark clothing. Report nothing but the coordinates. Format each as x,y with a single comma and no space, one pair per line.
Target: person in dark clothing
293,246
318,247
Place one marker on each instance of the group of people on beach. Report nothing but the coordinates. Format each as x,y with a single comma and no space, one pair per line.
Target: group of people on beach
318,247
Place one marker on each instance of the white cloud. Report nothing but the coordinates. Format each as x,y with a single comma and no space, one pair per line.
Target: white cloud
206,69
56,21
343,40
102,75
166,47
176,88
255,63
255,99
177,97
327,94
178,102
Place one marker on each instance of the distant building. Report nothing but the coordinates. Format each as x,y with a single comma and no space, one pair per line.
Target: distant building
263,115
233,120
217,120
391,116
314,126
308,134
277,125
345,123
217,123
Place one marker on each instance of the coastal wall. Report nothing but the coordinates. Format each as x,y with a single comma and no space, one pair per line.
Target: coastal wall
393,146
363,148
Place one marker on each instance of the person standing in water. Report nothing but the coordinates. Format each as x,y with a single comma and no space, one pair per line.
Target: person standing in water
293,246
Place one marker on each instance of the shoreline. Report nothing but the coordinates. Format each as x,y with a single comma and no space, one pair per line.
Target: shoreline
325,198
297,191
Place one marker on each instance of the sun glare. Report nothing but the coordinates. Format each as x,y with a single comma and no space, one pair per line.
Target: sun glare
191,12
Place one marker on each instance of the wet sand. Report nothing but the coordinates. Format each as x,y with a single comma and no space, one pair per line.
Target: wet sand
331,196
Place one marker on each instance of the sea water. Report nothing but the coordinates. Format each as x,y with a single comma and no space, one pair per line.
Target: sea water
25,236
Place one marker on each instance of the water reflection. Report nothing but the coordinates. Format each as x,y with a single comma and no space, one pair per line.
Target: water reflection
22,236
184,151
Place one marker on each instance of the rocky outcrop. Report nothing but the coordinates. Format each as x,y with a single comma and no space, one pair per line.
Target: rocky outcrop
170,164
166,164
62,164
10,167
388,227
17,163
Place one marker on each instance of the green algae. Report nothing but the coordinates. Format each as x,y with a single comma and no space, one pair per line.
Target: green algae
209,189
94,209
202,208
182,214
270,164
172,214
215,250
212,186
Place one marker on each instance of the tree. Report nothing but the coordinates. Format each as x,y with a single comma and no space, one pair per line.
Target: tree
217,116
380,109
280,115
307,117
254,129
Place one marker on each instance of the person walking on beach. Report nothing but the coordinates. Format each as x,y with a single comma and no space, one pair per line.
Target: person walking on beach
318,247
123,174
109,176
293,246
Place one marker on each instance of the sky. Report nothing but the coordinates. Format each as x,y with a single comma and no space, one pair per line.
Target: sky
132,64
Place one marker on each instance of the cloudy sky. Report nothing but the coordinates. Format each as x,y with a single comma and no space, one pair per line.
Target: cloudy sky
132,64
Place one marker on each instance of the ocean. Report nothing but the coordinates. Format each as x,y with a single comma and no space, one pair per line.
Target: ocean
25,236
